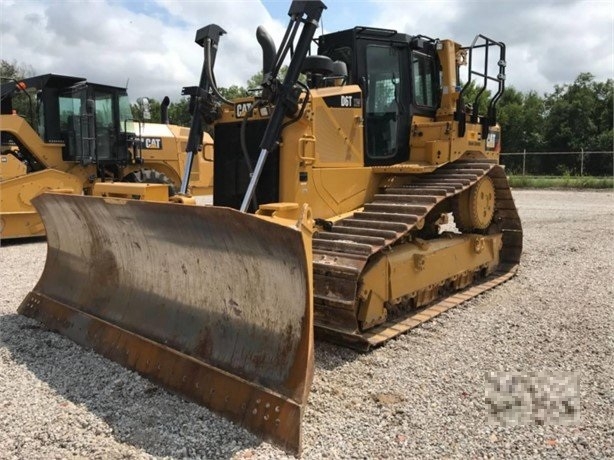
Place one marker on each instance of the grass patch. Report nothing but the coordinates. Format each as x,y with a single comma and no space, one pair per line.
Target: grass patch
561,182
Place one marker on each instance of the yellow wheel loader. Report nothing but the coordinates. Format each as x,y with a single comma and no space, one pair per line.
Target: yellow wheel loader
84,134
332,212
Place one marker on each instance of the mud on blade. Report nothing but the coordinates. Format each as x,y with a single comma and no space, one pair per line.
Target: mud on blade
209,302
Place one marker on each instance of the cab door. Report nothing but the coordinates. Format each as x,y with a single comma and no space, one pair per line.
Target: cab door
387,107
87,124
106,136
77,125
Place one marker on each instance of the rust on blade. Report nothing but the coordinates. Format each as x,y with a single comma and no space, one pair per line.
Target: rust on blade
258,409
209,302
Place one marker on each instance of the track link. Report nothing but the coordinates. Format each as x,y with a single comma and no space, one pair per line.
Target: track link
341,253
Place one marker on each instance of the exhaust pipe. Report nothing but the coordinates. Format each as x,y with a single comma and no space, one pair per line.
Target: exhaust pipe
268,50
164,110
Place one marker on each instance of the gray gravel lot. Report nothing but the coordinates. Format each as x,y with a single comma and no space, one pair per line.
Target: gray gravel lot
422,395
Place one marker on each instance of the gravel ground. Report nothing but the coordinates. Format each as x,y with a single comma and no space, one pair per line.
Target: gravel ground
422,395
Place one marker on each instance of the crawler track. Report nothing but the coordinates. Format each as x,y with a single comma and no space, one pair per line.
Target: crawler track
341,253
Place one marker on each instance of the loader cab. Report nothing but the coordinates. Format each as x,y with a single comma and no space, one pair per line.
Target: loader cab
92,121
399,78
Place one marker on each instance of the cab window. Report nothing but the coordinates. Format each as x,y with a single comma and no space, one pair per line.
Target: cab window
383,72
424,79
125,114
70,106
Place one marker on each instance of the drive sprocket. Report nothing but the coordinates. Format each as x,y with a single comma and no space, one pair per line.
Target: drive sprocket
474,208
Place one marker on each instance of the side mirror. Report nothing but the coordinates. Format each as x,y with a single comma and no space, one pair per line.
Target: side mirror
145,107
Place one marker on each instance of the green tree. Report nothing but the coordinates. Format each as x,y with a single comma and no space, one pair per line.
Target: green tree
253,83
24,102
533,128
179,113
521,116
470,94
510,113
233,92
14,71
579,117
139,112
604,115
256,80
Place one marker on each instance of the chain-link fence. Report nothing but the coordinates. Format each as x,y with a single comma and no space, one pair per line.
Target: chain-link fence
583,163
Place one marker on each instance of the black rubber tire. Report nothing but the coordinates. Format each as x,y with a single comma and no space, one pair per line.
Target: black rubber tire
151,176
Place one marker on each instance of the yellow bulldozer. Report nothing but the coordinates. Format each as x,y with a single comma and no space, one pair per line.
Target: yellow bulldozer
335,192
82,134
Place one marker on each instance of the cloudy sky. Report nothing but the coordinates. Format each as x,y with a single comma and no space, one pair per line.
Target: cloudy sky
150,44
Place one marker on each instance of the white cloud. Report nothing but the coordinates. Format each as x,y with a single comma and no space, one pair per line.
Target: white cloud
152,43
548,42
110,43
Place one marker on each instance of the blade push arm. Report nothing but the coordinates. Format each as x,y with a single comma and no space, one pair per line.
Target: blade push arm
309,13
202,105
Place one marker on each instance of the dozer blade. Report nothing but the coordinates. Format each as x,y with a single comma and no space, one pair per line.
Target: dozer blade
209,302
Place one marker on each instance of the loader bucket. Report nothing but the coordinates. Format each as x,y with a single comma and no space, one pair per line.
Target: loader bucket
209,302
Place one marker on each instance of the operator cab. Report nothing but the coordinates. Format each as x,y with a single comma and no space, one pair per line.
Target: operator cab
399,78
92,121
